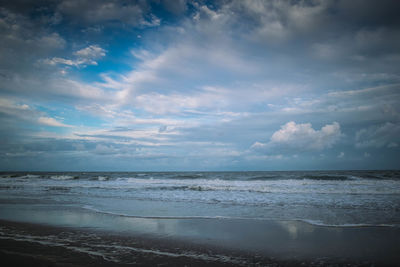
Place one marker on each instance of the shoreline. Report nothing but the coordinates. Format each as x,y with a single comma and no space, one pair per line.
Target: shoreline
50,245
134,250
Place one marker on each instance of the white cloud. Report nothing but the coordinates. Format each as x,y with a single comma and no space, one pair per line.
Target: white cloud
51,122
58,60
186,77
302,137
23,112
92,51
258,146
348,106
78,90
271,22
84,57
386,135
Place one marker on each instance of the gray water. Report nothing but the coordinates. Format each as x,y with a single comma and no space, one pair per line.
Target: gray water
332,198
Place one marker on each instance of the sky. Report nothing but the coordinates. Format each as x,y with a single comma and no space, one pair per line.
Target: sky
185,85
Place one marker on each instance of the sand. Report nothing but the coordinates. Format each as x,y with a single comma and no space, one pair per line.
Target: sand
27,244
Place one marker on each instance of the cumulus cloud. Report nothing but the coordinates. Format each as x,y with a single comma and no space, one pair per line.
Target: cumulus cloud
84,57
386,135
301,137
92,51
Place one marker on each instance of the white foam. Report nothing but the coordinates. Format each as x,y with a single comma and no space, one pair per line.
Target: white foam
304,186
108,252
309,221
30,176
346,225
63,177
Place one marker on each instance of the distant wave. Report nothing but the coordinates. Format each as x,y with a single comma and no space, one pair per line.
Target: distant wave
20,176
286,186
64,177
58,188
188,176
317,177
224,176
266,178
103,178
328,177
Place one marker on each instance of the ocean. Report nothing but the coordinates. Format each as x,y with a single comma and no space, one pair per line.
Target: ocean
332,198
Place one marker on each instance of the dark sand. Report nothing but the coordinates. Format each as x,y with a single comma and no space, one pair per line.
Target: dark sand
152,251
26,244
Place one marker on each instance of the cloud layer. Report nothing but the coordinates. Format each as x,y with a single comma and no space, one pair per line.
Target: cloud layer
186,85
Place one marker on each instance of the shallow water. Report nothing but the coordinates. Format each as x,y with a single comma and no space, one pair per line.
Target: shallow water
336,198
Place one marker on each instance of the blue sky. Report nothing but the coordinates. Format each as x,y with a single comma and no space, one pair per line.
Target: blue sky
199,85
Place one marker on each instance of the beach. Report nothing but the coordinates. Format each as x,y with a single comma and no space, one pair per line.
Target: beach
44,245
104,220
200,133
92,239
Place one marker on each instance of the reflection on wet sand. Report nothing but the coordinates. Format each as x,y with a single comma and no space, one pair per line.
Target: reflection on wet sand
281,239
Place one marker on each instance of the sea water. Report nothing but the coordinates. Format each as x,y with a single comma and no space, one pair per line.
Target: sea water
331,198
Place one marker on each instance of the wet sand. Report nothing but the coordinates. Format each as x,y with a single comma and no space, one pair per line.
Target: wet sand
27,244
122,249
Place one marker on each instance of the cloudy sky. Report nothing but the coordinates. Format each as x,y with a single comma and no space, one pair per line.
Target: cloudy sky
199,85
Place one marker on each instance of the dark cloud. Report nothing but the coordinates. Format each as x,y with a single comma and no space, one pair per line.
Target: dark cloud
102,12
81,12
368,13
177,7
201,82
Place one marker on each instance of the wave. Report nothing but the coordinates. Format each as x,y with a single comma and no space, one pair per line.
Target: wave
103,178
64,177
328,177
351,187
184,188
87,207
58,188
346,225
308,221
266,178
258,184
143,185
8,187
211,176
188,176
20,176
